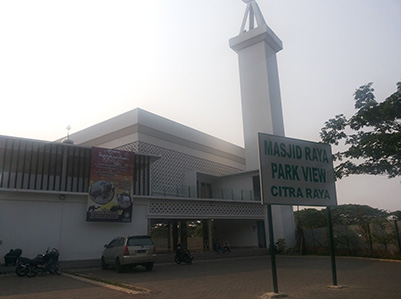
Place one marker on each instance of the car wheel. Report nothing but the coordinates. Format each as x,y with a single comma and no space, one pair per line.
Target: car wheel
149,266
119,267
103,262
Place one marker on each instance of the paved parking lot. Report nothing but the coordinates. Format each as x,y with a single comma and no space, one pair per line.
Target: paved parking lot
247,277
47,286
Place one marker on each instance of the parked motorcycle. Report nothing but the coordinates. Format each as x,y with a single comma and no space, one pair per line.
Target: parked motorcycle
12,257
183,256
47,262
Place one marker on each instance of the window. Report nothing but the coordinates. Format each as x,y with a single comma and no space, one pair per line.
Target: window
139,241
256,187
205,190
113,243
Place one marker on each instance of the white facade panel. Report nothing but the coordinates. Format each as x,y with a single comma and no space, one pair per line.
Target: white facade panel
34,222
142,126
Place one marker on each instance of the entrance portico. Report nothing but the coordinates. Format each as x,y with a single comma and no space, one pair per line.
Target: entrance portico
197,224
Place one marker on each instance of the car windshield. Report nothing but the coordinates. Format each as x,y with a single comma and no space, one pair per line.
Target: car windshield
139,241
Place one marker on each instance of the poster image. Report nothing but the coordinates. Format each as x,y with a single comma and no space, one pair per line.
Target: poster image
110,186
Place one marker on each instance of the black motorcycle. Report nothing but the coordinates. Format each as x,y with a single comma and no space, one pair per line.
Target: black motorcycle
47,262
12,257
182,255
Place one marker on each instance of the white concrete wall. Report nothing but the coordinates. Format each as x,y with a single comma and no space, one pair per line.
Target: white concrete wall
260,95
235,184
283,224
34,222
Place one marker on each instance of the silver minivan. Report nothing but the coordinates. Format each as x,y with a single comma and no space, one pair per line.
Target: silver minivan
129,251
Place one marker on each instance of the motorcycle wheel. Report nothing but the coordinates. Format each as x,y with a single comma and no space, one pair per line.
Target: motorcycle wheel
31,272
21,270
52,269
57,270
189,261
177,260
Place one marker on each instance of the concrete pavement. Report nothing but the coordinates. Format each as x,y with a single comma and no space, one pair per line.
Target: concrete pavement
298,277
226,277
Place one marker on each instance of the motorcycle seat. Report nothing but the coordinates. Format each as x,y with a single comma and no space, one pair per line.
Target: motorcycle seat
35,261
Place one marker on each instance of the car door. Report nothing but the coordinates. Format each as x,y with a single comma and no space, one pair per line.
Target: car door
109,252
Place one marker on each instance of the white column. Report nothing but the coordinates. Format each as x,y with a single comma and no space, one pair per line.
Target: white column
260,88
210,232
261,99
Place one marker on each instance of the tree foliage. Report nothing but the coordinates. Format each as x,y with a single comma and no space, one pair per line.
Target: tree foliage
397,214
348,214
310,218
372,136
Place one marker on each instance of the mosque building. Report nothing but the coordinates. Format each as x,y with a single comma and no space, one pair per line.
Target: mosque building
141,173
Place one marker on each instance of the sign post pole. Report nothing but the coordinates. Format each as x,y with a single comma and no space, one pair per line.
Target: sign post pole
332,253
296,172
272,248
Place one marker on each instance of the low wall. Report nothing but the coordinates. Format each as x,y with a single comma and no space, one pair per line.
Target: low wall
34,222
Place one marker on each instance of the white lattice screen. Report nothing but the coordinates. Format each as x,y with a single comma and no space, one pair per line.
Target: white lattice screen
197,208
168,173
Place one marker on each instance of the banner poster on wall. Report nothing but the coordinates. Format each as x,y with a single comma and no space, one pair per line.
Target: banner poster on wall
110,186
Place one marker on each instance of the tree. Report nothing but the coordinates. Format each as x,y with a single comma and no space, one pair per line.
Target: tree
372,136
380,234
345,237
310,218
397,214
347,214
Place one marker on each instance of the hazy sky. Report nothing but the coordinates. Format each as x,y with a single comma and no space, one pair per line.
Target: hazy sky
80,62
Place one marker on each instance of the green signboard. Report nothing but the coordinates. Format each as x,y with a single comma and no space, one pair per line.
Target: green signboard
296,172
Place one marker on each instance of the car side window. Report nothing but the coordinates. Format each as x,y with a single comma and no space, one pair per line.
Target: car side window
120,242
112,243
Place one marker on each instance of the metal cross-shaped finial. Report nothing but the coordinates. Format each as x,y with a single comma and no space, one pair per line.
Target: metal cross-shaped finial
68,131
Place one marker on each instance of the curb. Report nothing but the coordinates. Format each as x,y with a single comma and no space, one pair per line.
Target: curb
122,287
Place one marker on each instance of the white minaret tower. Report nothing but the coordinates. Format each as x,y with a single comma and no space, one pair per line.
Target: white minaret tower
256,47
260,89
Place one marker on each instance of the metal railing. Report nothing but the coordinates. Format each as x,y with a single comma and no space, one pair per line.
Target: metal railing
192,192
